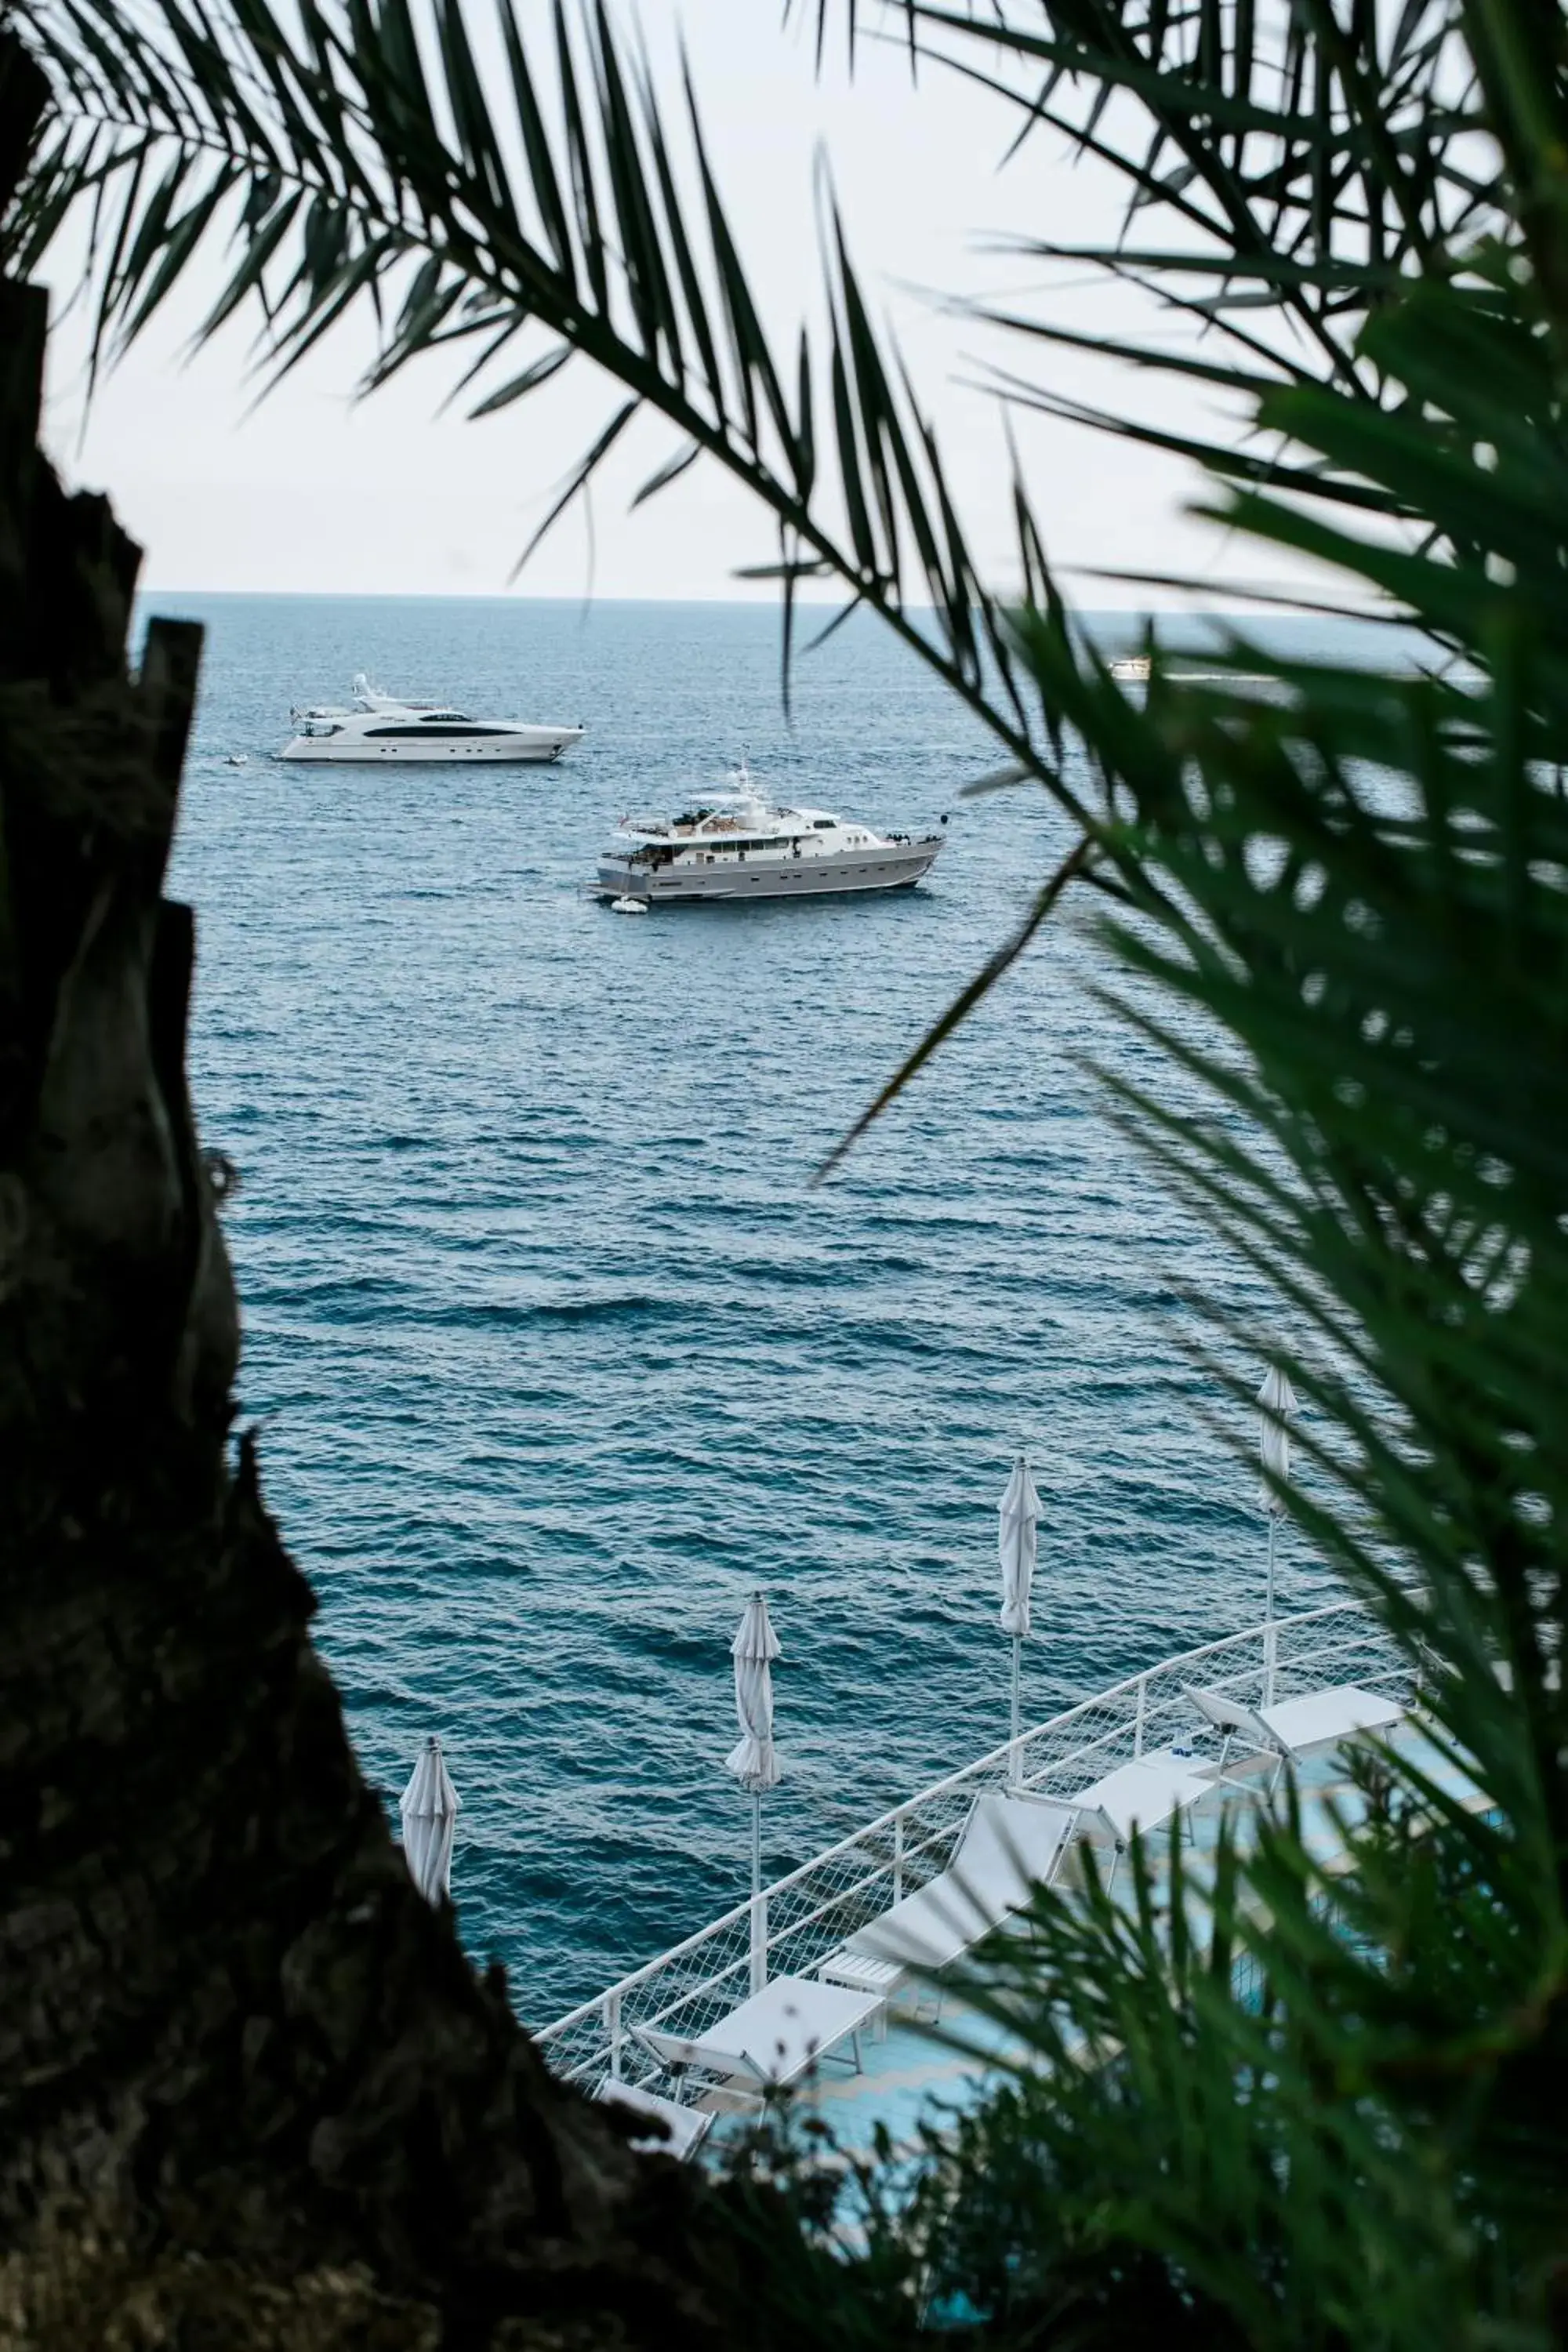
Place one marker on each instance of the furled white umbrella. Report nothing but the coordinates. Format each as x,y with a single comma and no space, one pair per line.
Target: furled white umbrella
429,1807
1276,1405
753,1758
1019,1543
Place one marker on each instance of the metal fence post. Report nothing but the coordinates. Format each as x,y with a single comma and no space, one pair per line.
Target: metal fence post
613,2032
759,1942
898,1859
1142,1707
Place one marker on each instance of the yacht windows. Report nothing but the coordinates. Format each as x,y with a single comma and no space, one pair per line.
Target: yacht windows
823,823
461,732
707,846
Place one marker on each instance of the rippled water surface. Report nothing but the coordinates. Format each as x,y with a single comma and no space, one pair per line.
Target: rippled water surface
554,1349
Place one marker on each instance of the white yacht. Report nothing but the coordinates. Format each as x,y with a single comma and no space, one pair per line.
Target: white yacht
378,726
740,846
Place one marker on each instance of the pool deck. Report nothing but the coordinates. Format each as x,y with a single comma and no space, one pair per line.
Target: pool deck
911,2075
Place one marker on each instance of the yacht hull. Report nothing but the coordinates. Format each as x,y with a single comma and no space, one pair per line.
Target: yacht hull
897,867
512,751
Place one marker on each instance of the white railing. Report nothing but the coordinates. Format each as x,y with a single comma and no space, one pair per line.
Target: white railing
798,1921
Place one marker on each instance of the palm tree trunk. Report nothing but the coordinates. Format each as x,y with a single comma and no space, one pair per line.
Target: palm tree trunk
228,2024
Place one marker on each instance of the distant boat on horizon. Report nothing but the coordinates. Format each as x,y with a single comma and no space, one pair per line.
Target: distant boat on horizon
376,727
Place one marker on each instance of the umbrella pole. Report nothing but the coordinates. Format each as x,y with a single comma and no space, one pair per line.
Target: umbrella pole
1269,1622
1012,1756
759,1923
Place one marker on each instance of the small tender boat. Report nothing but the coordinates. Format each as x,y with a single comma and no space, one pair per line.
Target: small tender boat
1133,669
738,845
376,727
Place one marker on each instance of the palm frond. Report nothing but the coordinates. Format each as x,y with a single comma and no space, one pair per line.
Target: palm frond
1320,153
355,157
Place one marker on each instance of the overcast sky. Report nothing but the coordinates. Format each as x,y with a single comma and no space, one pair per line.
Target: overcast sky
314,491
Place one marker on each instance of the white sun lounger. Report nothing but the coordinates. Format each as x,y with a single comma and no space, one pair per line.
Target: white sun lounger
685,2129
1294,1725
1139,1795
773,2038
1146,1792
1009,1846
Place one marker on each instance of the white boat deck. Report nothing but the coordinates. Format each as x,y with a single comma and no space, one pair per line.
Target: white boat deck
1145,1734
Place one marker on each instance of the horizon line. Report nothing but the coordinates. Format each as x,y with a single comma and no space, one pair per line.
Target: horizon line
1245,607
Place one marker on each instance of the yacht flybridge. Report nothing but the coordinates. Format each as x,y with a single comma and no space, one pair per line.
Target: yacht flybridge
740,846
378,726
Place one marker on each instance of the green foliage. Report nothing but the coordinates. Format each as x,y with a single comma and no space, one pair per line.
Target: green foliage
1281,2108
1340,2156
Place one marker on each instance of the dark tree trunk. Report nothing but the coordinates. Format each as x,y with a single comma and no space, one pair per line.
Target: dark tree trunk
246,2073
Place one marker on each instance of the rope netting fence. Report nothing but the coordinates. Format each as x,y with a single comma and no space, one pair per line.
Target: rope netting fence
793,1926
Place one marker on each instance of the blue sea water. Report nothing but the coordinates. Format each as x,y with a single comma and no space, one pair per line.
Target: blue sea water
556,1350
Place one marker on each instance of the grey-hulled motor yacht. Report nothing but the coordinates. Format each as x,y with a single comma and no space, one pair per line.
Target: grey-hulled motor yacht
740,845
